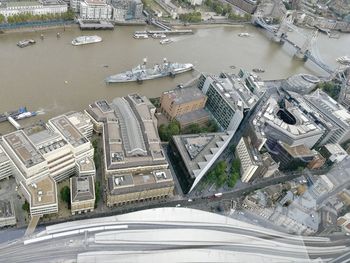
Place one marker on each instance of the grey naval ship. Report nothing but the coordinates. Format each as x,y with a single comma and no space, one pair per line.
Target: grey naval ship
141,73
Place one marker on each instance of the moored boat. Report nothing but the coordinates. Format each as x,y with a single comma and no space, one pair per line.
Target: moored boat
140,36
158,36
166,41
26,42
83,40
141,73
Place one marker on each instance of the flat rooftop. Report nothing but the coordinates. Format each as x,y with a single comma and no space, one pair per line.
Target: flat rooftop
196,150
234,90
68,130
79,120
47,141
298,151
95,2
184,95
24,149
83,188
125,183
86,164
193,116
130,132
3,156
43,192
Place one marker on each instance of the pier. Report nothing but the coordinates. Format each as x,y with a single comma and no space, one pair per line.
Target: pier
167,32
95,25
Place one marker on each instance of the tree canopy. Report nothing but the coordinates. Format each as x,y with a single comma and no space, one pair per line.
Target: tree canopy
65,194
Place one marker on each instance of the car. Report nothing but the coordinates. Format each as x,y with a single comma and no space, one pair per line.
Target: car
190,200
178,205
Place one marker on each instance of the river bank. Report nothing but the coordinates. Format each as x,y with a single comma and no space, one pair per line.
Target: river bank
26,29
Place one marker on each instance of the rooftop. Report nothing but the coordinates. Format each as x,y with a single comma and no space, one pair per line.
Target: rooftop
130,132
297,151
234,90
83,188
24,149
42,192
197,150
78,119
193,116
184,95
3,156
68,130
86,164
124,183
95,2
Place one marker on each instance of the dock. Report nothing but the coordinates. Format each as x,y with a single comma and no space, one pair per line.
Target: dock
101,25
14,123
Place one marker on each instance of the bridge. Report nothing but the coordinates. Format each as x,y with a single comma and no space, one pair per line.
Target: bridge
308,51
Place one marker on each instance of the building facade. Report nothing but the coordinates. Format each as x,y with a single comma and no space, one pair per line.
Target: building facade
229,99
34,8
95,10
82,194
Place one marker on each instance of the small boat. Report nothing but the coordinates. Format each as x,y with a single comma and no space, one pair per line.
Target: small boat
25,115
345,60
232,67
83,40
42,36
140,36
166,41
26,43
158,36
244,35
258,70
58,35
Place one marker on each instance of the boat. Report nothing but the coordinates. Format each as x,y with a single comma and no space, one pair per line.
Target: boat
258,70
4,116
26,43
83,40
244,35
158,36
140,36
25,115
345,60
141,73
165,41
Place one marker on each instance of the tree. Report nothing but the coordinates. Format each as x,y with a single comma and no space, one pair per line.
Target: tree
231,181
236,165
2,19
25,206
65,194
167,131
97,193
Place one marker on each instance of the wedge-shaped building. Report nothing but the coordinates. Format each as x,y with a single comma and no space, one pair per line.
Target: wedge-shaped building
132,150
194,155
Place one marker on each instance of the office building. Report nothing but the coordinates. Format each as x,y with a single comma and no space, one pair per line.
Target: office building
5,165
124,10
132,149
82,194
95,10
195,154
180,101
44,155
251,162
82,122
130,188
248,6
34,8
229,99
301,83
7,213
333,152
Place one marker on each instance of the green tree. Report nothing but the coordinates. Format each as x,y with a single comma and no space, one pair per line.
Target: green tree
236,165
231,181
2,19
65,194
167,131
25,206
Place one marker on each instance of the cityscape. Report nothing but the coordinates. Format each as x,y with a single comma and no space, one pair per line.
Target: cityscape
174,131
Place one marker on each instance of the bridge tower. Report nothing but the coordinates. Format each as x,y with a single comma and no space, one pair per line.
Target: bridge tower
306,47
282,30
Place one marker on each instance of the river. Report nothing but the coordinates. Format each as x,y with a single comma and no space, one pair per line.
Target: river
55,77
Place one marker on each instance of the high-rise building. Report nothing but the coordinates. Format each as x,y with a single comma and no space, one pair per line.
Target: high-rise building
229,99
95,10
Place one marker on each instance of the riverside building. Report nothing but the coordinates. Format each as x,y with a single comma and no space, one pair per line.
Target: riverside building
135,167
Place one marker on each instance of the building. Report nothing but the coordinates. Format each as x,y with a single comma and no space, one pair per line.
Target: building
196,2
126,9
130,188
290,157
301,83
333,152
253,82
82,194
248,6
5,165
250,158
229,99
82,122
180,101
95,10
7,213
332,115
195,154
282,120
131,149
44,155
200,117
75,5
43,7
